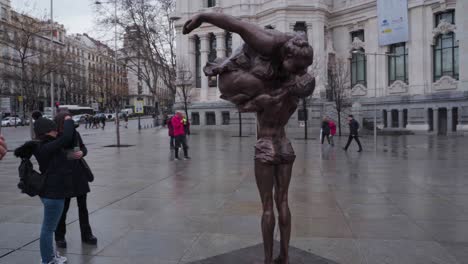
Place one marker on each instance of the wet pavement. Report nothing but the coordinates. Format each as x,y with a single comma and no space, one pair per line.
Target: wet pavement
405,204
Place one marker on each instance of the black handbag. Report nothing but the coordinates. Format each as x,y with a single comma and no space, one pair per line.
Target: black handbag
84,164
87,169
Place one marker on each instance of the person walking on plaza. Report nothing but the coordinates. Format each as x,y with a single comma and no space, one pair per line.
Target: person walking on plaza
353,133
3,147
170,131
325,130
58,184
332,126
103,121
179,134
125,116
80,177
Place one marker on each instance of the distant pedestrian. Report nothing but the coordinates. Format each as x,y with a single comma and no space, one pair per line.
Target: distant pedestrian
325,130
332,126
103,121
353,133
96,122
125,117
170,131
89,120
179,134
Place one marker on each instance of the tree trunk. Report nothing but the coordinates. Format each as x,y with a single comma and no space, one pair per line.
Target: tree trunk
240,124
339,123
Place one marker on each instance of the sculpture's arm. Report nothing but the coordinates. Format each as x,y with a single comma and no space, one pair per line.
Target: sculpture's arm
262,101
263,41
304,86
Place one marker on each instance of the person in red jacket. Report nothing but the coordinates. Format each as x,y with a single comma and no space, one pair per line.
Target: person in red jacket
170,131
179,134
332,126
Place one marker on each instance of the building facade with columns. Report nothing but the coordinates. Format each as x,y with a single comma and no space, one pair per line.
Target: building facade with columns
420,85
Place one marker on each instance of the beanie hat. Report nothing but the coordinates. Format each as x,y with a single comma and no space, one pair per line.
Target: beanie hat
43,126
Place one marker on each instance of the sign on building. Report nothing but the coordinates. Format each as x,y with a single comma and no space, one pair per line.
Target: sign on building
5,105
139,109
392,18
95,106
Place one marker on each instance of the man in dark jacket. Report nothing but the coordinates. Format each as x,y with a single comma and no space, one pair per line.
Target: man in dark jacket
325,130
353,133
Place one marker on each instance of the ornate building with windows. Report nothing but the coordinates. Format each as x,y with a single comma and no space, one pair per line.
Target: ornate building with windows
35,53
420,85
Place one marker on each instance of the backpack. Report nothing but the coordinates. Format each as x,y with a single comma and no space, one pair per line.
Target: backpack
31,182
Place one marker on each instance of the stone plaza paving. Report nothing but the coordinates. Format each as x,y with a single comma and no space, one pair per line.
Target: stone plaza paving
405,204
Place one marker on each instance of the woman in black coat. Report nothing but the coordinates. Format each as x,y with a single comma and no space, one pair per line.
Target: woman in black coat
76,150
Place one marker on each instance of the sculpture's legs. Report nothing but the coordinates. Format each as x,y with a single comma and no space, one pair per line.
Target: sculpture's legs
264,175
282,180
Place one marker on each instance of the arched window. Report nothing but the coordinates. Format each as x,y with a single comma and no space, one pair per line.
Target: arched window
398,63
446,50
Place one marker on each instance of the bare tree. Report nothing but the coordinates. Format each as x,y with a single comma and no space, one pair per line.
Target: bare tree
31,62
339,85
185,84
156,37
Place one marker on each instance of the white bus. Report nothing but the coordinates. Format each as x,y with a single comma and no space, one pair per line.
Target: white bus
77,110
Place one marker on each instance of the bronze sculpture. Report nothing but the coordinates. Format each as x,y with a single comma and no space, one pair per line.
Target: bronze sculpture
267,75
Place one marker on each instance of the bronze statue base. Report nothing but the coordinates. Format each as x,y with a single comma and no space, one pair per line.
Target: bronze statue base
254,255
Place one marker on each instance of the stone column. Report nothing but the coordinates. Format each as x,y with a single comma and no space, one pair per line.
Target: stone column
462,36
435,117
191,59
401,123
449,120
205,50
389,119
316,35
220,52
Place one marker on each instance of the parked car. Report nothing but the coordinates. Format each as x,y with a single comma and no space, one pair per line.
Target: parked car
79,119
48,117
11,121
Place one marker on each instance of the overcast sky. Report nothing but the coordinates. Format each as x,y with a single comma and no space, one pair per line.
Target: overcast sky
76,15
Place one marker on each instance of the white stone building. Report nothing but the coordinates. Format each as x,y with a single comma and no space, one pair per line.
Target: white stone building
423,87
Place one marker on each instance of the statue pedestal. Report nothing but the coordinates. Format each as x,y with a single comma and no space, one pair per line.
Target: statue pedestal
254,255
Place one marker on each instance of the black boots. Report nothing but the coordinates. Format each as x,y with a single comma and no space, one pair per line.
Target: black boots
87,239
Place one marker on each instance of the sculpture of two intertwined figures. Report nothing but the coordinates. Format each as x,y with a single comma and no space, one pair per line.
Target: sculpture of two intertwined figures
267,75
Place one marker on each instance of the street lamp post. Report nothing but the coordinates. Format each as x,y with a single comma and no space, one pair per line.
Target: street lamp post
374,54
52,104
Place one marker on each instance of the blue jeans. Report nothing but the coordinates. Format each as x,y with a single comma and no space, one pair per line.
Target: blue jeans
53,209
